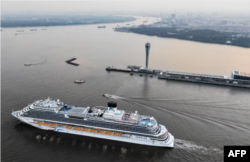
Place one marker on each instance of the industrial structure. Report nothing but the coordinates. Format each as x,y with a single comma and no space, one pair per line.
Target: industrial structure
147,46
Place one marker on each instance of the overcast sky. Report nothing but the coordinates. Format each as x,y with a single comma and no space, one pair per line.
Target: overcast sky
232,6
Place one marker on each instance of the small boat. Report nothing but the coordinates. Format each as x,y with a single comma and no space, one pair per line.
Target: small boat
107,95
101,26
79,81
27,64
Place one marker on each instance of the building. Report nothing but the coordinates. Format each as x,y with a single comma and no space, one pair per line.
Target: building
240,75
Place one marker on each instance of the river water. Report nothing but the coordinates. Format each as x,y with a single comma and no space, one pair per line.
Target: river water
203,118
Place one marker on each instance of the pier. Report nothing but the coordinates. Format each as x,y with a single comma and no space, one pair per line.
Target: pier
72,63
187,77
132,71
237,79
119,70
206,79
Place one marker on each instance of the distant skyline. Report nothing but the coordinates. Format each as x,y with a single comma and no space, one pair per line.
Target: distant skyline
128,6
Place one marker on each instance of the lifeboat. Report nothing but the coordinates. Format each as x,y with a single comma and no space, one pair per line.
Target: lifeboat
85,129
78,128
117,134
68,127
101,132
109,133
47,124
41,123
93,130
53,125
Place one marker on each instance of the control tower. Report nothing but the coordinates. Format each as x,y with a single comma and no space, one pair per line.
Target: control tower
147,46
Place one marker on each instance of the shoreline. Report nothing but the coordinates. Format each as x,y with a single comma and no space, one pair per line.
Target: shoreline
128,31
66,24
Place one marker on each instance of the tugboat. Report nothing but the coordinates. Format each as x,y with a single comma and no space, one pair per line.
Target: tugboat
79,81
107,95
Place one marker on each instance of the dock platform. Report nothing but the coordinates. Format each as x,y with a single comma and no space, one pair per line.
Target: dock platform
119,70
189,77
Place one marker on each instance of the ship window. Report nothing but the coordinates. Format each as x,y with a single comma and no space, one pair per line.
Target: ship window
109,126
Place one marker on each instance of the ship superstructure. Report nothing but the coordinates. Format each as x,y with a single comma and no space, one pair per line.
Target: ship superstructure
99,121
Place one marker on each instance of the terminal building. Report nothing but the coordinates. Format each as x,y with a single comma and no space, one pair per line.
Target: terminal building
240,75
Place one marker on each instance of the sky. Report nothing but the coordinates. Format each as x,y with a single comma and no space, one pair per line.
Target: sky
224,6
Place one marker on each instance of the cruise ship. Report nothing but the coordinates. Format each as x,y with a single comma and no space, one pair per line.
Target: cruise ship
100,122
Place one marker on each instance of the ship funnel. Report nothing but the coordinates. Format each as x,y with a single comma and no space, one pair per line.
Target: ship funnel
112,106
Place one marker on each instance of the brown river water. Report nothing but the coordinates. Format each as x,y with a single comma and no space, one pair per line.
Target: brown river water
203,118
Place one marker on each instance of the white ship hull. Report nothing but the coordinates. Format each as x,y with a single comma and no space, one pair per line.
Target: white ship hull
169,142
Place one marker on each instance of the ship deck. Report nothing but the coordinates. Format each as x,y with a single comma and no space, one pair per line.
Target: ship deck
97,122
82,112
68,112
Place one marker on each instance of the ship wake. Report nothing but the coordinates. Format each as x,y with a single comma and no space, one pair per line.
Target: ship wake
113,96
191,146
